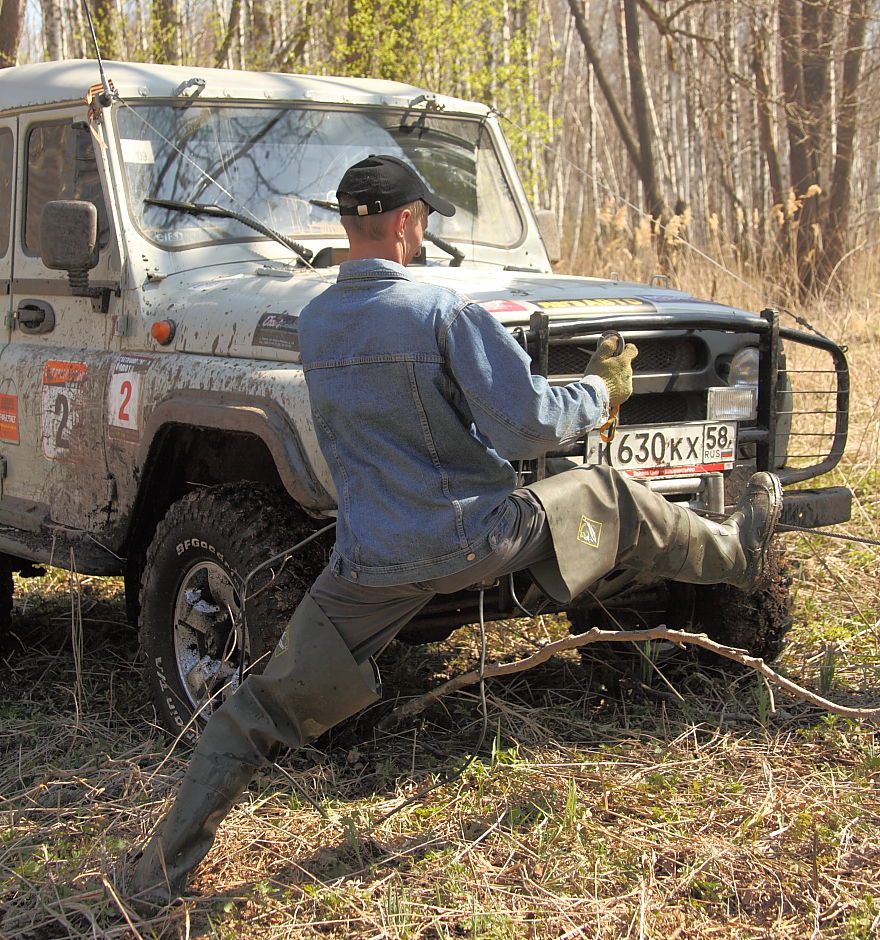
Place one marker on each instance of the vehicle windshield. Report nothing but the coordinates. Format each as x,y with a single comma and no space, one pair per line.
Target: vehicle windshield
272,162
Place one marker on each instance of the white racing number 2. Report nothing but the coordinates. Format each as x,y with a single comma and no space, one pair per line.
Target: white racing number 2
124,393
61,405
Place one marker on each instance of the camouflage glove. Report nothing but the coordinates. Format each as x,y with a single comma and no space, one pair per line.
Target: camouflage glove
614,370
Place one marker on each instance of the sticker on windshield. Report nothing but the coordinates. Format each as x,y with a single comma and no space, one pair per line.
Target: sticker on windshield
124,396
61,406
277,331
137,151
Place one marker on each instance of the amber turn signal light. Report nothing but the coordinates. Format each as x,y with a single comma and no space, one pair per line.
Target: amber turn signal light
163,331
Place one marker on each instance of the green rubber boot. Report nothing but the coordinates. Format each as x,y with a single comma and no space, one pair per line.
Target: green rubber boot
601,520
310,684
678,544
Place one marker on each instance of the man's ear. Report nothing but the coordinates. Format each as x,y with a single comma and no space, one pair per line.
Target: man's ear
401,220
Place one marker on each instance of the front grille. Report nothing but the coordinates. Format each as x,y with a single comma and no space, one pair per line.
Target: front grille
664,408
682,354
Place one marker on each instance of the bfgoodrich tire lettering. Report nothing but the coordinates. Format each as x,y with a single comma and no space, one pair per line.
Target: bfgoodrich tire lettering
195,647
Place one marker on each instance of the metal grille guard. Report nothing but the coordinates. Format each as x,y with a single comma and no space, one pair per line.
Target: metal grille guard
542,332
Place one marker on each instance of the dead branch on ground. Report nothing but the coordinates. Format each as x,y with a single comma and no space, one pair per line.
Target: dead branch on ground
679,637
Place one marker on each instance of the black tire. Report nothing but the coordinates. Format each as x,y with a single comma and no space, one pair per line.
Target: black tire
756,621
6,591
134,569
194,644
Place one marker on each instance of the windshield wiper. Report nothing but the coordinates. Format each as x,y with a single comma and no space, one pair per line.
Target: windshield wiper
201,208
456,254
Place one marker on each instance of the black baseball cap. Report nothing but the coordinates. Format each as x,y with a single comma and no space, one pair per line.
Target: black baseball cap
381,183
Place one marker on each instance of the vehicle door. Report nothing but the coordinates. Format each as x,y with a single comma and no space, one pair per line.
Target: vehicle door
58,348
8,397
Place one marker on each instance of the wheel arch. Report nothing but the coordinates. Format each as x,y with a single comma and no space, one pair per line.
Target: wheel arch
190,441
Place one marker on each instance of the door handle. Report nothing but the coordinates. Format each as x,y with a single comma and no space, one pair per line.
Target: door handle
34,316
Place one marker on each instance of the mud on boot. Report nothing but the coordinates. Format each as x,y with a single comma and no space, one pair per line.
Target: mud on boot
754,519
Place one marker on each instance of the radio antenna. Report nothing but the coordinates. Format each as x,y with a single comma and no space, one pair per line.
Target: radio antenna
108,92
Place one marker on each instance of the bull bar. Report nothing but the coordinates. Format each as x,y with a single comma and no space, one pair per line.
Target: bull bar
809,508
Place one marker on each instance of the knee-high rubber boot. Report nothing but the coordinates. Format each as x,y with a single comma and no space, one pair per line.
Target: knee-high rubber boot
310,684
601,520
678,544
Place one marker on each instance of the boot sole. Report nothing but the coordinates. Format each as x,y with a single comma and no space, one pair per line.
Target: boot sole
768,530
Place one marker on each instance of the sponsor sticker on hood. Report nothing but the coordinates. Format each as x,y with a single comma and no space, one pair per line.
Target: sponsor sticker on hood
593,303
277,331
507,306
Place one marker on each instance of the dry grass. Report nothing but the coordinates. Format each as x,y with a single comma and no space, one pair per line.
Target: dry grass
595,809
752,269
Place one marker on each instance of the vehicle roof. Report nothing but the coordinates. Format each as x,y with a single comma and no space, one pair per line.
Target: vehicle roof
48,83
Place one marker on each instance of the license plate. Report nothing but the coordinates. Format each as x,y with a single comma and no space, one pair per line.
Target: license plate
667,450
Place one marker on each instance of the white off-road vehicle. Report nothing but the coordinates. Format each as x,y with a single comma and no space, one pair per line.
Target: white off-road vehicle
160,231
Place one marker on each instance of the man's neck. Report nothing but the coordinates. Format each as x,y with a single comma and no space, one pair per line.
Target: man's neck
362,251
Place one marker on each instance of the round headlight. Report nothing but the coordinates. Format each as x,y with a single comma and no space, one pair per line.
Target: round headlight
744,367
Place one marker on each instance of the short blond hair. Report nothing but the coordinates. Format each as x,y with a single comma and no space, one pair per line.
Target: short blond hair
374,227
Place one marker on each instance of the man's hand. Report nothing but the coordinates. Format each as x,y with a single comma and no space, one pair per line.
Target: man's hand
614,369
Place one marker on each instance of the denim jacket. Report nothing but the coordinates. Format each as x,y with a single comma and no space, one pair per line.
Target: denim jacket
421,399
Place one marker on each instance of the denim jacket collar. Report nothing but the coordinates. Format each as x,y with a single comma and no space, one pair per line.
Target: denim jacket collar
372,268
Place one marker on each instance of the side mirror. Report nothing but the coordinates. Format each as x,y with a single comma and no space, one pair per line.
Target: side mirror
69,241
549,229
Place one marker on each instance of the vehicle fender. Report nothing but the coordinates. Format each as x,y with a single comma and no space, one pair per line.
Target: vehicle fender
307,483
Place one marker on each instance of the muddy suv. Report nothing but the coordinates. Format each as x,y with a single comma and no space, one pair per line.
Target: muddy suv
160,230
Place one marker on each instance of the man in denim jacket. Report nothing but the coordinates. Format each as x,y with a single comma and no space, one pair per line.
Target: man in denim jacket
421,400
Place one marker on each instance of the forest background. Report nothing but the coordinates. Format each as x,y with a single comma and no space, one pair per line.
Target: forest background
732,144
747,129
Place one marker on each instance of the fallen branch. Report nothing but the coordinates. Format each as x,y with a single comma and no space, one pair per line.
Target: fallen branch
680,637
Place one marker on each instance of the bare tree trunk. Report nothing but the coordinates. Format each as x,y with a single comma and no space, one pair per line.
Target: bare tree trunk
75,32
242,39
766,133
53,29
696,186
804,26
729,14
259,37
638,90
817,27
106,19
620,119
221,59
293,51
673,133
593,140
166,32
793,89
637,142
837,217
11,22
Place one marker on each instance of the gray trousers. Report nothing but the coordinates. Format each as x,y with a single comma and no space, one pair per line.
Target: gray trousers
368,618
571,529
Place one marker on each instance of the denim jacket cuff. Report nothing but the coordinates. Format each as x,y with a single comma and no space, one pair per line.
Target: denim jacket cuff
602,398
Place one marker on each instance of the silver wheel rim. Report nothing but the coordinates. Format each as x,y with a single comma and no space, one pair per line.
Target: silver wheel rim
208,650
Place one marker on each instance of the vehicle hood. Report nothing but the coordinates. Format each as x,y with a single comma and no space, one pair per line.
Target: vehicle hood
251,309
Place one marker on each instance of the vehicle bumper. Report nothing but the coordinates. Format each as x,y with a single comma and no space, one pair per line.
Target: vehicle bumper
815,508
